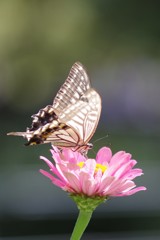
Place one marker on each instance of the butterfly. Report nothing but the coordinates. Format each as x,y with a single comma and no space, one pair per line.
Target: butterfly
72,119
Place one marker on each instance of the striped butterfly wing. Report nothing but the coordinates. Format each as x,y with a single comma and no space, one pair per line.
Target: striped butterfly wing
79,107
80,124
72,119
75,86
83,116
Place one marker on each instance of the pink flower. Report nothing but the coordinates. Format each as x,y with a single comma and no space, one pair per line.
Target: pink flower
107,175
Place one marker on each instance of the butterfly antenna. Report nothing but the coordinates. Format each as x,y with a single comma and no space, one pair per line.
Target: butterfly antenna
93,151
99,139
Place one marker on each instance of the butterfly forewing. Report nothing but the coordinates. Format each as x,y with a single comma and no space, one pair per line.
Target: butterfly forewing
75,86
72,119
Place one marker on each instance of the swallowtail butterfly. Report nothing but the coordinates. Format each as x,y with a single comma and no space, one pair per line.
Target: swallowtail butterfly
72,118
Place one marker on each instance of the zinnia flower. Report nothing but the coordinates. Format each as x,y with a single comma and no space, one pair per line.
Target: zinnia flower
107,175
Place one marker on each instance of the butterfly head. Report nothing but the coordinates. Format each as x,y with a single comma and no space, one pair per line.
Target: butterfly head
89,146
83,148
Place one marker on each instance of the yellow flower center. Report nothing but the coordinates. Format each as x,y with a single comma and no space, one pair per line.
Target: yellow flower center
80,164
103,168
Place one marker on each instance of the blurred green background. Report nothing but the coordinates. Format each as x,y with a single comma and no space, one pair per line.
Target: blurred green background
119,43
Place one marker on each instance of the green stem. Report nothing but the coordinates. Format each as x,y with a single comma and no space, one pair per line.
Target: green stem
81,224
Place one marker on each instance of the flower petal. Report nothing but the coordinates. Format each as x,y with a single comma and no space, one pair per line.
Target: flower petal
104,155
120,155
131,192
54,180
